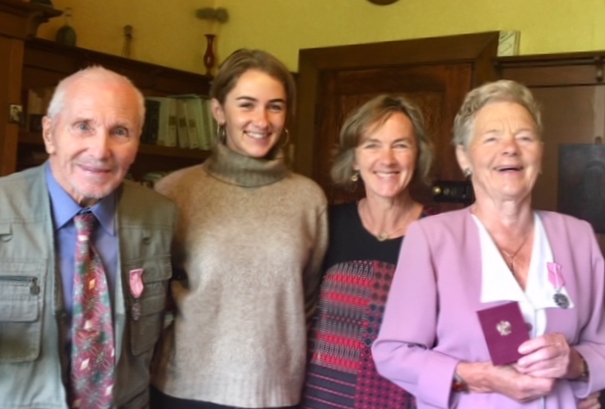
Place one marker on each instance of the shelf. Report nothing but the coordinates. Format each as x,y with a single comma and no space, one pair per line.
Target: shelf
45,63
35,139
21,19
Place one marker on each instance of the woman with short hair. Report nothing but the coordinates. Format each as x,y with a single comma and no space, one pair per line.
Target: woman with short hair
498,250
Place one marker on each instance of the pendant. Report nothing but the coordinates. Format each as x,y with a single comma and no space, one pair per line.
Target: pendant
556,279
561,300
382,236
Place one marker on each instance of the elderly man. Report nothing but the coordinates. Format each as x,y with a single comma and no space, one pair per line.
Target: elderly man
84,257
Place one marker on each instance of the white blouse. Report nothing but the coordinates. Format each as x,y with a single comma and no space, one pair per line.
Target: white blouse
499,284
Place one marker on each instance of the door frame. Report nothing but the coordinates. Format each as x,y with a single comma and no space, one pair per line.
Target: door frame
478,49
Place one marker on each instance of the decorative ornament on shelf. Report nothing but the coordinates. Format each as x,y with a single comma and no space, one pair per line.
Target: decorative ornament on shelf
208,13
215,16
209,57
66,34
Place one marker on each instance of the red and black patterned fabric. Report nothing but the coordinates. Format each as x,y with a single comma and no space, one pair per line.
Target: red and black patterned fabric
358,274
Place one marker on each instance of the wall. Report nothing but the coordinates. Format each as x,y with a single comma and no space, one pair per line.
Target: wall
171,35
164,33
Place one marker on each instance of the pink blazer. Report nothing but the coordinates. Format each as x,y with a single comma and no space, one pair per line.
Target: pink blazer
430,321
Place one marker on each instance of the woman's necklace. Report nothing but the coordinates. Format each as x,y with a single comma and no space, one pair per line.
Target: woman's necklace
385,235
382,236
511,257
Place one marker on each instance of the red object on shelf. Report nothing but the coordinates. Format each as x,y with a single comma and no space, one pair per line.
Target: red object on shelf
209,57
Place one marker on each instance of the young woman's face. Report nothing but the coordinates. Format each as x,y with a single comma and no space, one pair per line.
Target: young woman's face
254,113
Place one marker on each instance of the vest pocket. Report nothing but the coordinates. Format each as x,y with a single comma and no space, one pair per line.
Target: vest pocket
146,312
20,305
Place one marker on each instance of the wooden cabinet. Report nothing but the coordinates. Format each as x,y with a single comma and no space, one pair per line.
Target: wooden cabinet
18,21
45,63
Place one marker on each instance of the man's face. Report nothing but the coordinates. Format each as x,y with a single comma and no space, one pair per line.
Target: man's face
94,139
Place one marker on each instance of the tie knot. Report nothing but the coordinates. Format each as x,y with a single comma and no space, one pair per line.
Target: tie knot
84,224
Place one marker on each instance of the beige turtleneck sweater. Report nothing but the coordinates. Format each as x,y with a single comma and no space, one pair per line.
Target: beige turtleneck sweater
251,238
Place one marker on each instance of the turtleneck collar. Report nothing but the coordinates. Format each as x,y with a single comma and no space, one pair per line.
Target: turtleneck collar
234,168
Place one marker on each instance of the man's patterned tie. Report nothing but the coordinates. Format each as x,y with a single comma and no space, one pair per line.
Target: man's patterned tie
92,352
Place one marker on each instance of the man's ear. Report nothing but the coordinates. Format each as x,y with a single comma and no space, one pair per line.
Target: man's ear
47,129
217,111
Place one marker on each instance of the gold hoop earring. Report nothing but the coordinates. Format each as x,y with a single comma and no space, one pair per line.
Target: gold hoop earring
285,142
221,134
355,176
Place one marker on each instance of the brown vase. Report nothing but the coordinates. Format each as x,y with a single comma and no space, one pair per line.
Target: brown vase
209,57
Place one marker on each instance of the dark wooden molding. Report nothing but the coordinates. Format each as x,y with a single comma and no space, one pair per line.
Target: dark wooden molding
22,19
60,61
546,70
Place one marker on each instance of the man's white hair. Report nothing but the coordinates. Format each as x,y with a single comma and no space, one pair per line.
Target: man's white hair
95,73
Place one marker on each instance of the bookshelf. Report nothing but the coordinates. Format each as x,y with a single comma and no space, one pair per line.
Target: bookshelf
18,21
45,63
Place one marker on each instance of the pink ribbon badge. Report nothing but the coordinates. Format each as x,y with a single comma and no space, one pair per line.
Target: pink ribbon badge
555,276
136,282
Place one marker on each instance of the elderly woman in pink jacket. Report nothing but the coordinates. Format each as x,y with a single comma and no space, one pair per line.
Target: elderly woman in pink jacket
495,255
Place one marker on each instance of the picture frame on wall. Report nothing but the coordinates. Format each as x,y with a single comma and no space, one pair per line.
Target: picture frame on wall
15,114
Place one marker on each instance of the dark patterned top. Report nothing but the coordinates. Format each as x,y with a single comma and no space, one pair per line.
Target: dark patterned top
358,273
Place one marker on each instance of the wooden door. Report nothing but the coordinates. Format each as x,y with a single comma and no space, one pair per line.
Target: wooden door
436,73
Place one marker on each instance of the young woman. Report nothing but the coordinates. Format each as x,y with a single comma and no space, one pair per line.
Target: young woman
251,239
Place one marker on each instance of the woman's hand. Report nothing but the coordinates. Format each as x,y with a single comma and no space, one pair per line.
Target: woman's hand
549,356
483,377
590,402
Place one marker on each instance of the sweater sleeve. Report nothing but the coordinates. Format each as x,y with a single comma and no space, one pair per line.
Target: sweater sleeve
403,349
312,272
